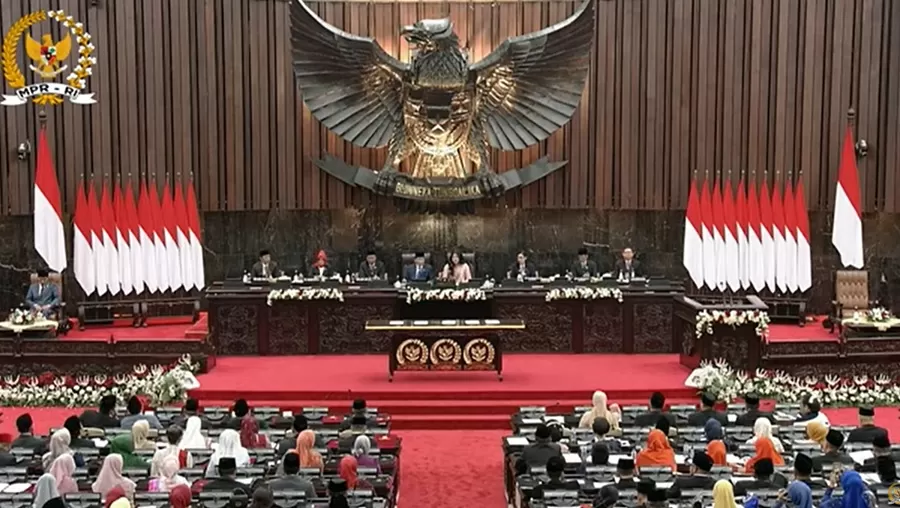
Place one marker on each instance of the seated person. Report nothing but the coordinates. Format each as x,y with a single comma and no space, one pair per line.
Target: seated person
105,415
27,439
265,268
882,446
538,453
656,498
456,269
834,440
606,498
867,430
418,271
887,472
337,493
752,413
649,419
644,488
599,454
555,467
42,296
601,429
658,451
583,267
628,267
290,437
625,474
226,479
358,408
764,478
320,267
73,425
291,479
700,477
803,468
358,427
136,413
521,268
191,408
811,410
348,470
372,267
238,412
707,411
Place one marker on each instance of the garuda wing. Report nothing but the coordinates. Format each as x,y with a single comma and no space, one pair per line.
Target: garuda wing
348,82
63,48
33,49
530,85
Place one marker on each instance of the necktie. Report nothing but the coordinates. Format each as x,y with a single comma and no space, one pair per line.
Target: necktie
40,289
418,271
265,270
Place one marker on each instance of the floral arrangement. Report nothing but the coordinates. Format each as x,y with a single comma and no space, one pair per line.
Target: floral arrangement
306,294
414,295
22,317
583,293
879,315
158,383
732,318
729,384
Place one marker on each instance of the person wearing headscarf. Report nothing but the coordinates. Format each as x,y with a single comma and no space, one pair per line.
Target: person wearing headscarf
348,470
612,414
763,428
63,470
657,453
168,477
123,445
250,436
723,495
362,448
715,442
110,476
114,495
856,494
320,266
309,457
59,445
765,449
122,502
45,490
140,434
817,431
180,497
229,446
193,438
798,495
172,449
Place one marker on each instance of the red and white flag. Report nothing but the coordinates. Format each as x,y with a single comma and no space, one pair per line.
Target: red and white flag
182,238
778,237
170,236
196,245
756,264
134,240
692,256
146,230
49,235
718,210
804,257
767,236
732,254
98,248
108,225
709,243
740,207
122,242
790,236
847,236
81,244
164,279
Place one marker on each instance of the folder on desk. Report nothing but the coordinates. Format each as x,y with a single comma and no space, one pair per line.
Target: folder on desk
396,322
420,322
472,322
517,441
572,458
532,421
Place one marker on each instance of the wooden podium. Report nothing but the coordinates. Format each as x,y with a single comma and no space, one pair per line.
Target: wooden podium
740,345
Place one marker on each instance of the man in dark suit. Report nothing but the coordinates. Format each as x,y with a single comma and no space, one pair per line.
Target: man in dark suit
104,417
226,480
628,267
748,418
834,440
291,480
555,467
372,267
418,271
73,425
538,453
521,267
583,267
191,408
290,439
657,404
625,473
701,466
26,438
763,470
43,296
358,427
867,430
265,268
601,427
239,411
803,468
707,411
887,472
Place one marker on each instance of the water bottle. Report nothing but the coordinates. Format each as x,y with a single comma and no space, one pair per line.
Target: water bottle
246,278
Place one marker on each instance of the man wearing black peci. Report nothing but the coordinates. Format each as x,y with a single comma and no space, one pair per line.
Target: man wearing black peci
649,419
700,477
583,267
265,268
867,430
371,267
748,418
707,411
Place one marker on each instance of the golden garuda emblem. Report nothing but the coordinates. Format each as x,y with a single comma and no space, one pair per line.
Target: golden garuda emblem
441,108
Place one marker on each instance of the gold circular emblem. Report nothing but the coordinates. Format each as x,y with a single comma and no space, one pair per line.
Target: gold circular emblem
412,351
478,351
446,351
894,493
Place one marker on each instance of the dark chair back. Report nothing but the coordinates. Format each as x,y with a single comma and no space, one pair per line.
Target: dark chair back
407,258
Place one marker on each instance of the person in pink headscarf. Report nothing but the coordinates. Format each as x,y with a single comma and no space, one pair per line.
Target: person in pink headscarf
110,477
309,457
63,469
168,477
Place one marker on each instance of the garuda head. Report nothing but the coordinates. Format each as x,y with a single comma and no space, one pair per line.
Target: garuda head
429,34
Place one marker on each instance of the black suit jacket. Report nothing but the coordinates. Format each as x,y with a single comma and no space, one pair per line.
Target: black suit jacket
749,418
537,455
587,270
93,418
314,271
257,270
626,483
28,441
636,269
181,420
650,418
831,458
866,434
699,418
227,484
367,272
513,270
682,483
409,273
741,488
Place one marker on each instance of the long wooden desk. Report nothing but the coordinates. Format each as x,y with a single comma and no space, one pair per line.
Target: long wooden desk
445,344
243,323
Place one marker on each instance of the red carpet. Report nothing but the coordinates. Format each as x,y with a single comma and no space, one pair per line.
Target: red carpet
794,333
157,328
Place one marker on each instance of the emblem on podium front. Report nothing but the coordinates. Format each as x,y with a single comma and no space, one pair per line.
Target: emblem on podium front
412,355
445,354
479,355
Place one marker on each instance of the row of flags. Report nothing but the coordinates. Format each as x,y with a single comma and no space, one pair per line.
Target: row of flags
123,243
748,238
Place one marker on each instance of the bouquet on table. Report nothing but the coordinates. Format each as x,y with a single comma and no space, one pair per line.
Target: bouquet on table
306,294
23,317
414,295
732,318
583,293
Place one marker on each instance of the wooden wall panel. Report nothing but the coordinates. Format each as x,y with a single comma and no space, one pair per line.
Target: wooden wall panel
753,89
